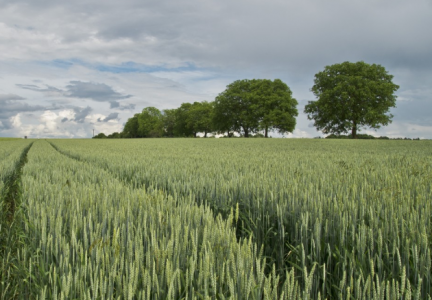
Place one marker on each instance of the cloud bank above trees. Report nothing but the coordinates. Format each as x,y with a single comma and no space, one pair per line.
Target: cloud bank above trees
69,68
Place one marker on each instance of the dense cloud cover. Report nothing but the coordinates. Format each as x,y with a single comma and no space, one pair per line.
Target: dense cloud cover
68,67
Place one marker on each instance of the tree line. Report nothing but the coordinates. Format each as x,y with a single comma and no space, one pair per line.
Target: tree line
350,96
246,107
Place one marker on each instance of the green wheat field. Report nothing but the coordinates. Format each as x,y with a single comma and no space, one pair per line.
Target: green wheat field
215,219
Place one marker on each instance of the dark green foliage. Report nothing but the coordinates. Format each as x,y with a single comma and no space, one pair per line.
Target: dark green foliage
100,136
349,136
150,123
192,118
248,106
245,107
169,122
131,127
366,137
183,127
114,135
236,109
351,96
336,136
186,121
200,116
277,106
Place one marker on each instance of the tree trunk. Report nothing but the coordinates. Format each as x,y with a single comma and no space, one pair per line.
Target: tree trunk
354,131
205,133
194,134
266,132
246,132
229,134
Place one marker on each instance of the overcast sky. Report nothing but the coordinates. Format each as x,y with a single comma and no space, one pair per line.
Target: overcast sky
70,67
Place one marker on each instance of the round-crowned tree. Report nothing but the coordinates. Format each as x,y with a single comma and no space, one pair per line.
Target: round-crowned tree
249,106
352,96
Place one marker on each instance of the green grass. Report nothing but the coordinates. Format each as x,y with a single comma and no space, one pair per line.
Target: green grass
227,218
3,139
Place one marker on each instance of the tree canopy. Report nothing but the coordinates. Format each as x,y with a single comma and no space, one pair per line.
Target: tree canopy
183,126
277,106
150,123
351,96
199,118
245,107
130,129
248,106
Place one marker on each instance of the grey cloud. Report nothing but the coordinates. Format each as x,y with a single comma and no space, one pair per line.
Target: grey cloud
36,88
48,90
99,92
64,120
11,108
118,106
280,35
11,105
127,107
81,113
31,87
8,97
114,104
95,91
5,124
112,116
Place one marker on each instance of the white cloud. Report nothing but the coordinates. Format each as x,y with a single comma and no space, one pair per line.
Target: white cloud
16,121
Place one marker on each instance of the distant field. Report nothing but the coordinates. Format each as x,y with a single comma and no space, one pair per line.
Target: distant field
219,219
8,139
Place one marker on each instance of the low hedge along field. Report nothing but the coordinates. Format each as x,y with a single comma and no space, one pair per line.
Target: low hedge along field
221,219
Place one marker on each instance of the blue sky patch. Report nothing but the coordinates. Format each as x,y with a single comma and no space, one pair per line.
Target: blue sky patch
126,67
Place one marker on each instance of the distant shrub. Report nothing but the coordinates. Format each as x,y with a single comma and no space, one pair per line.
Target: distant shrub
114,135
100,136
349,136
336,136
363,136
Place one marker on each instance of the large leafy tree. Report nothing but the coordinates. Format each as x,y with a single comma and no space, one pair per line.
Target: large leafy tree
169,121
247,106
150,123
277,107
351,96
131,127
236,108
183,127
199,117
